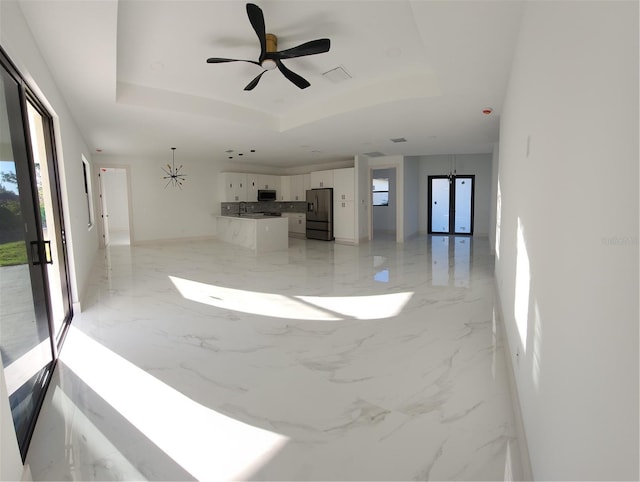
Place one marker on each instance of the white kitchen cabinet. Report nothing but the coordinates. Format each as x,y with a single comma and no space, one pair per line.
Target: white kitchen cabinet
306,185
269,181
297,224
285,193
294,188
233,186
252,187
298,188
256,182
344,184
320,179
344,217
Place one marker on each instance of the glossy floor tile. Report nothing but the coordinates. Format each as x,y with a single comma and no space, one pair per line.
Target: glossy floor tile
200,360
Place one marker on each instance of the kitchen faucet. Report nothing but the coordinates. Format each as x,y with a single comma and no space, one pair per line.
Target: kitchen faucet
242,204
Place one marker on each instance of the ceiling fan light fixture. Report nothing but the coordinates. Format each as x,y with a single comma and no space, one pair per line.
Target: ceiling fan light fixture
268,64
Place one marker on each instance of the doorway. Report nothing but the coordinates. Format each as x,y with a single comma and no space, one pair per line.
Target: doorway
114,205
34,284
451,200
384,203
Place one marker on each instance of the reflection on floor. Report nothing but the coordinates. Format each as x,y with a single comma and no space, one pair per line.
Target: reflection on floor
199,360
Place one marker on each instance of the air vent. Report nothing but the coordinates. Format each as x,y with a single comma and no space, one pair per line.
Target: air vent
336,75
398,139
374,154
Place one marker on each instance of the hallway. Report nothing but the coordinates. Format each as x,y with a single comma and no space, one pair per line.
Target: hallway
199,360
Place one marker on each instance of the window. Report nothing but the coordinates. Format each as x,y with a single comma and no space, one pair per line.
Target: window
381,191
87,190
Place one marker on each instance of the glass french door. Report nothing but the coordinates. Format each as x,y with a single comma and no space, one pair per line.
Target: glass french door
451,204
35,306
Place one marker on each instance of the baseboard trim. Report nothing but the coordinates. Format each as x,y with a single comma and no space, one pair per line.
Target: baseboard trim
525,460
173,240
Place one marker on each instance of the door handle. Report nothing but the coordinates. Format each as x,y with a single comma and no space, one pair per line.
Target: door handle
47,253
35,254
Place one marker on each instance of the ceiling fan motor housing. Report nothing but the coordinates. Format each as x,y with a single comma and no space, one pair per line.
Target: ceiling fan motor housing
271,42
271,46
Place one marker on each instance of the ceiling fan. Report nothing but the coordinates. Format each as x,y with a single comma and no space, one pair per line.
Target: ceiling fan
270,58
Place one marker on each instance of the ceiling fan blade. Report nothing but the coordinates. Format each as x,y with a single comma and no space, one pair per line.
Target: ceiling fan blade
257,22
313,47
292,76
216,60
255,81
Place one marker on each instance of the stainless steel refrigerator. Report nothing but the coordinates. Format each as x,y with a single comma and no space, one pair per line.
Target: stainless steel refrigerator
320,214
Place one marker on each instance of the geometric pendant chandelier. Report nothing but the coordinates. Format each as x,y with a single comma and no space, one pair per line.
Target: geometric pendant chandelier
172,174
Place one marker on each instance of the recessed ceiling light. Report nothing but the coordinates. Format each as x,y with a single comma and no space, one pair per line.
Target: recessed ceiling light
229,151
487,111
398,139
374,154
253,150
98,150
240,154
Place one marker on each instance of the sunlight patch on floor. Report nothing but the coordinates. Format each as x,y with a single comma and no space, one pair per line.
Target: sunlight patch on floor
207,444
327,308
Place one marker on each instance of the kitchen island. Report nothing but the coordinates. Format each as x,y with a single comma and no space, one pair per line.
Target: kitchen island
257,232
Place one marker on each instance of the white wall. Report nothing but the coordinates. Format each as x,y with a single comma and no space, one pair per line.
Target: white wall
411,196
384,217
476,164
567,250
362,197
495,164
159,213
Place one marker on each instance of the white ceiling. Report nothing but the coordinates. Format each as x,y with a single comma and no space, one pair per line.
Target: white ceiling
134,75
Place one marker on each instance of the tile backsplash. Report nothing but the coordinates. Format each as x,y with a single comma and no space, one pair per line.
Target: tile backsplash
229,209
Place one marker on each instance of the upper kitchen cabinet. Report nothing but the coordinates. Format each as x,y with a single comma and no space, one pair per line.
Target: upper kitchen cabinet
257,182
233,186
320,179
299,185
284,193
344,184
268,181
294,188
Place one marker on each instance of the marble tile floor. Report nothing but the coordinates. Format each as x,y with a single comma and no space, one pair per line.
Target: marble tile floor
202,361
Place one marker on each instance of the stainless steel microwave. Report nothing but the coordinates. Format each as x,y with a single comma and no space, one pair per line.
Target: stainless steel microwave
266,195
